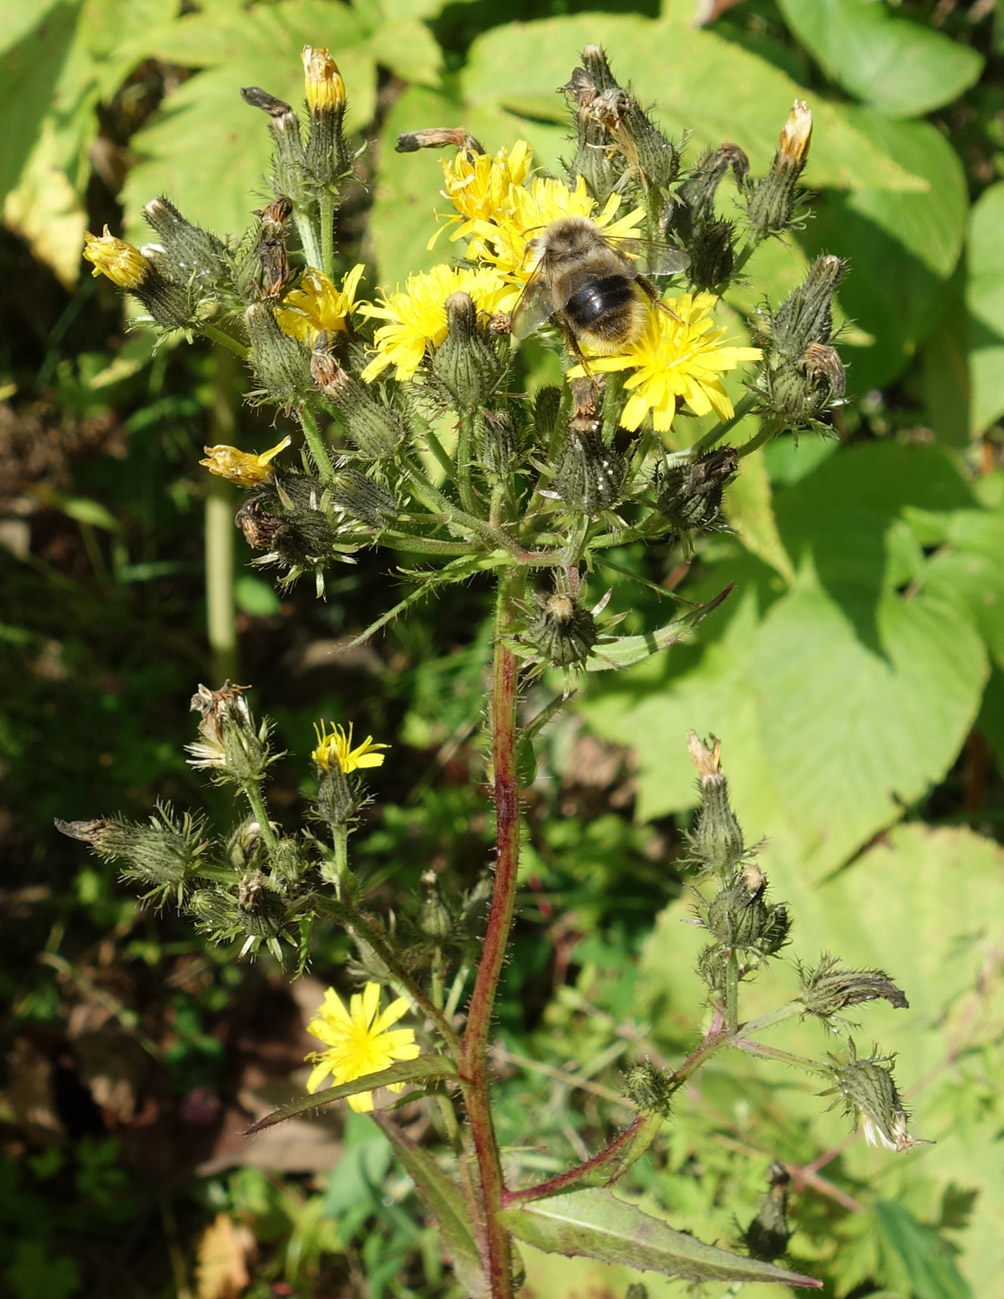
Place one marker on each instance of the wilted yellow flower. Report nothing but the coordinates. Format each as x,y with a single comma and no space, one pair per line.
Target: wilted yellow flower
336,746
416,314
793,142
123,264
242,467
315,305
358,1041
674,361
323,84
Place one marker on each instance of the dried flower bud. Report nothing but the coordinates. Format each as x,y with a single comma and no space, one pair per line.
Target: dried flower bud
772,202
831,987
564,632
161,855
768,1234
231,745
650,1089
438,137
288,161
868,1092
466,364
716,840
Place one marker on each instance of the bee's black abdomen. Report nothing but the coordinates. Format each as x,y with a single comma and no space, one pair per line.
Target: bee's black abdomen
599,298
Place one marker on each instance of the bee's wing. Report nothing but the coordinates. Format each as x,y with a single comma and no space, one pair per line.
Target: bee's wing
533,308
653,256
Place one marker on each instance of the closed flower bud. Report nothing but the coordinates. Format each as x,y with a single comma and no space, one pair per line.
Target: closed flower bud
832,987
327,154
799,393
280,363
716,840
254,912
338,798
373,426
590,476
772,202
649,1089
466,363
359,497
546,408
806,315
868,1093
712,255
694,211
498,441
736,919
161,855
564,632
711,968
775,930
195,256
231,745
768,1234
434,920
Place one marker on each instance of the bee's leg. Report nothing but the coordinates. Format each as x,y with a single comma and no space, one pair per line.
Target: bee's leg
652,293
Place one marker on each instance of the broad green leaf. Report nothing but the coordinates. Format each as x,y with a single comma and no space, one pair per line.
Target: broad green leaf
670,64
409,50
207,150
838,699
46,211
901,67
627,650
445,1201
423,1069
19,18
928,1263
596,1224
985,304
902,248
968,571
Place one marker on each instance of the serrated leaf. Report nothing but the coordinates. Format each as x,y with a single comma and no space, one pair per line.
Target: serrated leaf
628,650
596,1224
985,304
925,1256
423,1069
901,67
445,1201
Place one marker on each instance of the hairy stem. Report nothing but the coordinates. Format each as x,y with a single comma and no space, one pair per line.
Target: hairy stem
312,432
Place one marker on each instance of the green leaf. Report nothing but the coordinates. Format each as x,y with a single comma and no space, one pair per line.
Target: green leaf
985,304
627,650
424,1069
902,248
928,1263
596,1224
901,67
445,1201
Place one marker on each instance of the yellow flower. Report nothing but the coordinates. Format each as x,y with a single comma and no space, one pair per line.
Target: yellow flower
242,467
121,262
315,305
675,361
323,85
358,1041
417,314
336,746
481,187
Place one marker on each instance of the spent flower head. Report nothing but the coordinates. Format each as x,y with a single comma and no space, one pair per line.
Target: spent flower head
868,1093
358,1041
242,467
123,264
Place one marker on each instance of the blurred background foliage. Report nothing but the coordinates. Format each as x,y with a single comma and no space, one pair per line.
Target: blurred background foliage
854,676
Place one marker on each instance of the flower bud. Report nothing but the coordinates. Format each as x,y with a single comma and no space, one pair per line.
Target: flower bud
716,840
806,315
590,476
711,968
690,496
772,202
145,273
546,408
869,1094
195,256
712,255
694,211
373,426
327,154
498,441
434,920
288,161
466,363
231,745
161,855
564,632
359,497
736,919
768,1234
649,1089
831,987
281,364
